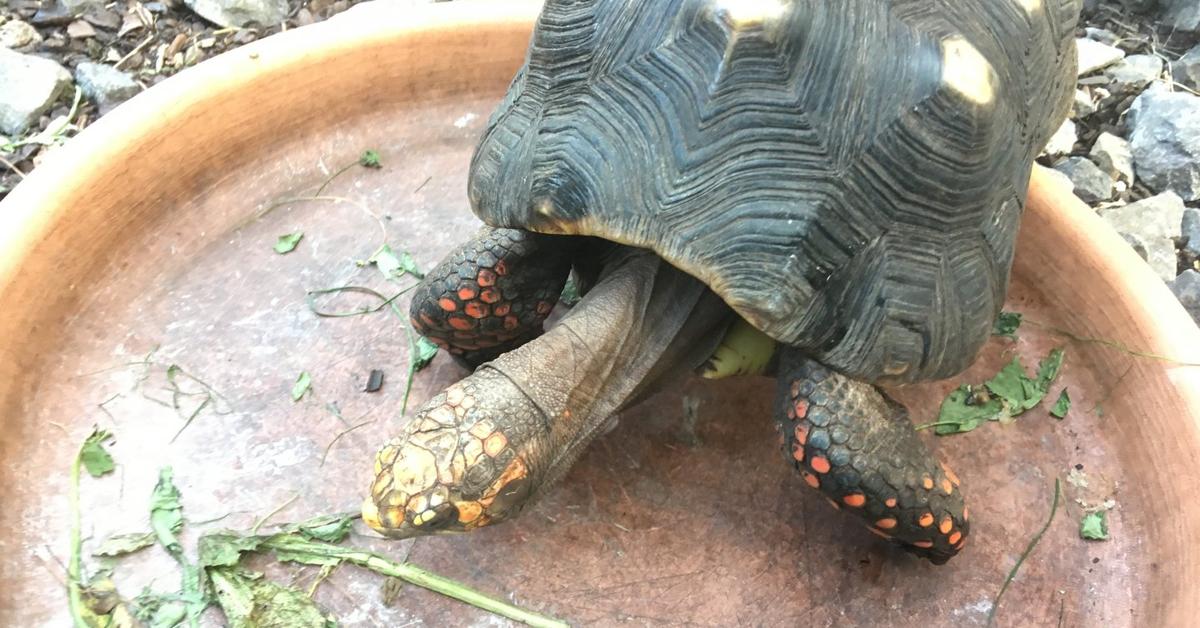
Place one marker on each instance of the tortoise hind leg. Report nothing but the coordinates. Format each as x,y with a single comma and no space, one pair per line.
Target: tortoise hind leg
492,294
857,447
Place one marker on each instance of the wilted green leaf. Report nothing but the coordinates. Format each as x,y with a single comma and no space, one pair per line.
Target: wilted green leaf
327,528
94,456
1094,526
369,159
159,610
302,386
426,350
166,513
287,243
1006,395
394,266
224,549
102,606
1062,406
966,409
251,601
122,544
1007,324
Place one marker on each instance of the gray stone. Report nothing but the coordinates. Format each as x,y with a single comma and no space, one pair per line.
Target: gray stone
31,85
1137,245
1114,156
1186,71
1156,222
105,85
241,13
1063,140
1182,15
1187,289
1083,106
1190,232
1092,185
1102,35
1094,55
1166,141
1133,73
18,35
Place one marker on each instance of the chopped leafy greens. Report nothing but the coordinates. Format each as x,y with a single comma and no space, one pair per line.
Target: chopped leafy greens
303,385
1094,526
1008,394
369,159
94,457
287,243
394,266
1062,406
1007,324
122,544
425,352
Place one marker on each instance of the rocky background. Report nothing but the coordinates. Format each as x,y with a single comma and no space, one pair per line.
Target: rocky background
1131,148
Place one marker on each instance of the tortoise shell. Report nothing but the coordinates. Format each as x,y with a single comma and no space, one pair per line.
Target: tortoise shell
849,176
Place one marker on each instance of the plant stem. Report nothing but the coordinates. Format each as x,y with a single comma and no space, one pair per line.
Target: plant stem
1028,550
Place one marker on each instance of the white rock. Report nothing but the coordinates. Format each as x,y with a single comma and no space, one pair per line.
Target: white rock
31,85
1083,105
1094,55
1063,140
1166,141
18,35
1114,156
240,13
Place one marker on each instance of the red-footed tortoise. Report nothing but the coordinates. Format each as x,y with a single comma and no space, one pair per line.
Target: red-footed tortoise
835,183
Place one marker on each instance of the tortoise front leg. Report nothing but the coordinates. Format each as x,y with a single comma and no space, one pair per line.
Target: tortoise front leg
858,447
491,294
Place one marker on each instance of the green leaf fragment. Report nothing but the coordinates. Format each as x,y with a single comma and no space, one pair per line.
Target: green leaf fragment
570,292
1007,324
966,409
166,512
1062,406
122,544
426,350
394,266
251,601
287,243
94,456
1094,526
224,549
369,159
303,385
1008,394
326,528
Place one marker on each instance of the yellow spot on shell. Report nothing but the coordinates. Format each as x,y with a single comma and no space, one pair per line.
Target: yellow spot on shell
749,13
966,71
495,444
455,395
370,514
481,429
1030,6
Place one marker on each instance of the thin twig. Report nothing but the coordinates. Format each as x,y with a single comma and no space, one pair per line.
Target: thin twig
339,437
1028,550
254,530
386,301
149,40
12,167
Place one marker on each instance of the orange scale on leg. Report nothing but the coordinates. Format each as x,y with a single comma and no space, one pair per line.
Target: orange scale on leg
801,433
544,307
856,500
502,309
797,452
953,539
887,523
487,277
476,309
801,409
448,304
820,464
490,295
923,544
811,479
890,502
466,293
927,482
511,322
946,525
461,323
501,268
926,520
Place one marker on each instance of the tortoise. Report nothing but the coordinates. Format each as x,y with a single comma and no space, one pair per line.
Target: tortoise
826,192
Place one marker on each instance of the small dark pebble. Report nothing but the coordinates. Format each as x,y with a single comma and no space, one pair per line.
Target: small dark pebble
375,381
1095,560
1079,467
